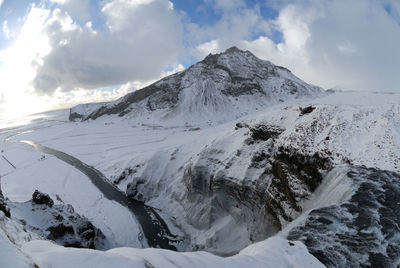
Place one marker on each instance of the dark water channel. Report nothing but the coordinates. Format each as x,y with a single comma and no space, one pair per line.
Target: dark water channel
154,228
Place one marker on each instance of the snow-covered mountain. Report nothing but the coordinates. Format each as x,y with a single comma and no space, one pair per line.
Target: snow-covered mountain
238,156
220,87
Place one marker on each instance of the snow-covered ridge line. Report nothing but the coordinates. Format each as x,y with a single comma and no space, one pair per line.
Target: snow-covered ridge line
219,88
273,253
159,155
153,226
164,165
360,230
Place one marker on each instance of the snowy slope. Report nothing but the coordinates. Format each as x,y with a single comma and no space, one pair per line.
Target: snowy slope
160,155
59,223
231,151
360,230
12,237
63,183
221,87
359,128
273,253
18,248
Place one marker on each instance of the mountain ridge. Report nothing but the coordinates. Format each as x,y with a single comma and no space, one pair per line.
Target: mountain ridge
225,86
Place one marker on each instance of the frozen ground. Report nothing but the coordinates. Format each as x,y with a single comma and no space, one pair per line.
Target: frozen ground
347,127
275,253
19,248
65,184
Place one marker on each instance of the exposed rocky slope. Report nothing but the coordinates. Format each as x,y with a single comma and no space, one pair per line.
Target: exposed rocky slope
59,223
247,182
228,185
238,189
222,86
261,186
3,204
364,230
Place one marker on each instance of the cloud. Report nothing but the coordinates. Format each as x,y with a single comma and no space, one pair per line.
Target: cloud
79,9
143,37
354,44
227,5
393,8
54,61
350,44
16,65
59,55
6,31
238,22
206,48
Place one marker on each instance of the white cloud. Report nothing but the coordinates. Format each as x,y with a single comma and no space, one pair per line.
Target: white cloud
351,44
238,22
294,25
363,28
206,48
347,48
393,7
16,65
5,29
79,9
144,37
228,5
60,60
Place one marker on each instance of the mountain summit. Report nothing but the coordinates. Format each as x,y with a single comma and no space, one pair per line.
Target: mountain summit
223,86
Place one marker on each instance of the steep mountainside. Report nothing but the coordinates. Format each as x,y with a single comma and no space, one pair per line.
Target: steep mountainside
362,231
232,151
221,87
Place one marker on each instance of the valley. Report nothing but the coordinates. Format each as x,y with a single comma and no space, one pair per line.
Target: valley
231,162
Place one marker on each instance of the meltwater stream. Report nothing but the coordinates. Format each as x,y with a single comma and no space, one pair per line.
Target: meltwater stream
155,229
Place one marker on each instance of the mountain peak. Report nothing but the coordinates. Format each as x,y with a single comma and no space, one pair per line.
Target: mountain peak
221,87
233,49
230,53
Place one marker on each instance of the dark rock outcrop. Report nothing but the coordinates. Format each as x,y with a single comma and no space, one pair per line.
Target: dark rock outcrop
124,175
363,231
265,132
217,81
3,204
41,198
4,207
295,178
306,110
59,231
132,189
74,116
280,180
59,223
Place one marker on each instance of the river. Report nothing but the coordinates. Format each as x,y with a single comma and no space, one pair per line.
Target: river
154,228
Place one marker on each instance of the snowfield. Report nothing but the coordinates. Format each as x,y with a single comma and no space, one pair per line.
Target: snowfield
65,185
274,252
363,129
246,164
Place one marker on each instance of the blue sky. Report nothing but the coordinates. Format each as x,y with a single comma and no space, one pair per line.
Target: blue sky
58,53
198,12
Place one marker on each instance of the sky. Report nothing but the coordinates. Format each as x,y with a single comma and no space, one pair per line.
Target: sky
59,53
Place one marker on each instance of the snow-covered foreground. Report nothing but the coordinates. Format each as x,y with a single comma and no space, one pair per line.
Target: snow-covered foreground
274,252
16,252
157,163
35,170
65,184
